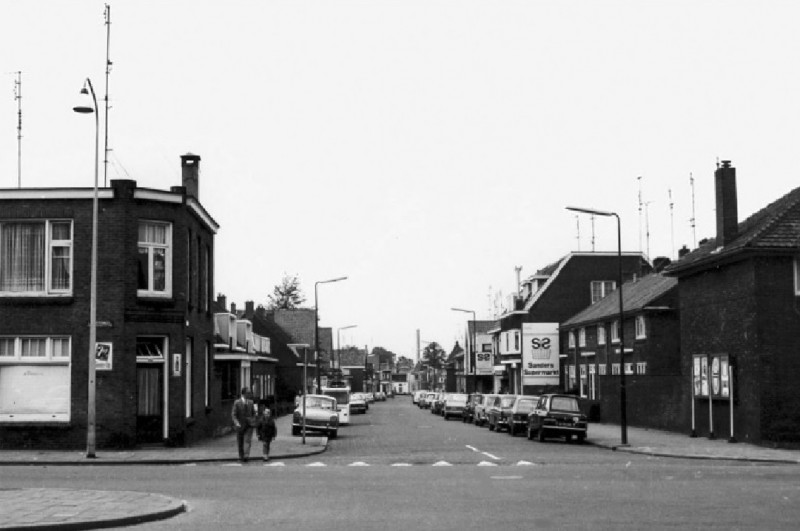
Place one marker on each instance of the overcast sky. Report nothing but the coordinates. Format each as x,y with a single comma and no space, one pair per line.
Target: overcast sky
421,148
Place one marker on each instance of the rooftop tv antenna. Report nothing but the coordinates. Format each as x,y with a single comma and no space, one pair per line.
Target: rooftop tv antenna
647,225
18,99
578,228
107,15
671,223
592,218
639,178
692,222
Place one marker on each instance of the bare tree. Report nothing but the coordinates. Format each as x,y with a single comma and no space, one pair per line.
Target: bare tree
287,295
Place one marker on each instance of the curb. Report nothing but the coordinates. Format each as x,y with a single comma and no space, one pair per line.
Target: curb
653,453
177,461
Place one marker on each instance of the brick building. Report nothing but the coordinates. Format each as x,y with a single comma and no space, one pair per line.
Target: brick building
155,380
652,366
740,323
528,327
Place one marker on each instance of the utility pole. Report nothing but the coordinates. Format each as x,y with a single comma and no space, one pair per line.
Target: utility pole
18,98
107,15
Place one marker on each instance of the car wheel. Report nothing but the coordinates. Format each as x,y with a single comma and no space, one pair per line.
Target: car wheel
540,435
444,416
511,430
568,438
332,434
581,439
491,426
295,430
530,434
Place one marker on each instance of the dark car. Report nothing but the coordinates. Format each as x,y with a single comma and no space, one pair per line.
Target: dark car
497,416
469,408
557,416
522,407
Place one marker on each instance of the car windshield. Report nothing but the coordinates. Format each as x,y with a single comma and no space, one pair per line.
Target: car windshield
457,399
430,396
320,402
507,401
526,405
564,403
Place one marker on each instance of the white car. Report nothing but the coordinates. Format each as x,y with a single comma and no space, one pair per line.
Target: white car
321,416
358,403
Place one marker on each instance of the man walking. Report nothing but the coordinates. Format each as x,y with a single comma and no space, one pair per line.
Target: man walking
243,416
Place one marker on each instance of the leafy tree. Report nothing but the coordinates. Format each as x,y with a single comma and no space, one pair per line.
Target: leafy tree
434,355
287,295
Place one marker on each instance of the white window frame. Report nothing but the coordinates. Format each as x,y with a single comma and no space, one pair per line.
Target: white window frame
601,370
797,277
605,287
629,368
149,291
571,339
49,245
582,337
601,334
615,369
16,359
615,331
641,327
641,367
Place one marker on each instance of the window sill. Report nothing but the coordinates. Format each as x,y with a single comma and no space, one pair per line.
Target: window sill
27,424
38,300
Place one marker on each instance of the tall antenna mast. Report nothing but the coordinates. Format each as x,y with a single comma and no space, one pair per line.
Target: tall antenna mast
107,15
518,270
592,218
18,98
639,178
671,223
647,225
692,219
578,226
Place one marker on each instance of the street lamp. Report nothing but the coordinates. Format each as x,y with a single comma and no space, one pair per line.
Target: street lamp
471,354
304,346
316,323
338,343
623,421
91,404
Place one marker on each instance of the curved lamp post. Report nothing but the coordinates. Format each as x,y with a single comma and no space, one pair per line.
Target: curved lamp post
471,354
316,324
88,89
623,421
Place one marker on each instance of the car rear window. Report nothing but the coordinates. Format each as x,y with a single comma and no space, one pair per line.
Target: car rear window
526,406
508,401
564,403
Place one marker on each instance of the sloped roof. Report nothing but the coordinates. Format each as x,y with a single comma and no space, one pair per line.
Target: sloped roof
481,327
456,352
775,227
635,296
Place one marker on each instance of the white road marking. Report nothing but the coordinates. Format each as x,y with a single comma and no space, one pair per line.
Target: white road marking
490,456
525,463
473,448
358,463
316,464
401,464
275,464
441,463
232,464
486,463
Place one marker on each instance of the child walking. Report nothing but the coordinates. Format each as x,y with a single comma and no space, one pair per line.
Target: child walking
266,431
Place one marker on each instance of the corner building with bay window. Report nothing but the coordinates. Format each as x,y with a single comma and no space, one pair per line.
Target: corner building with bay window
155,380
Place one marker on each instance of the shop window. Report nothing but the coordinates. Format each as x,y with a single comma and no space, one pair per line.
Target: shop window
155,259
35,377
36,258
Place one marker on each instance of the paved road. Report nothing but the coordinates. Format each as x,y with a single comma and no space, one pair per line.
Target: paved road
359,484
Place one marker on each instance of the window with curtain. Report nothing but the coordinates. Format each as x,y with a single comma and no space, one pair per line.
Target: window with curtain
155,257
36,257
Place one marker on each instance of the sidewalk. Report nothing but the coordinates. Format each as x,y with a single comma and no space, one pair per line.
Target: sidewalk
672,444
221,449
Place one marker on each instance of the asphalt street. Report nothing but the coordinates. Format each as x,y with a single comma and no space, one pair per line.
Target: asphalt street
398,467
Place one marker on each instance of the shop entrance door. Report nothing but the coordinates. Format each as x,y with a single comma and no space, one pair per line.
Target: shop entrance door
150,408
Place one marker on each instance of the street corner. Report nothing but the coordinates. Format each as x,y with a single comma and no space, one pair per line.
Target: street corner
45,508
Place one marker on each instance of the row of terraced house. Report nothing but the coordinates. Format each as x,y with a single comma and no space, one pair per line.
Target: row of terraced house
708,345
170,356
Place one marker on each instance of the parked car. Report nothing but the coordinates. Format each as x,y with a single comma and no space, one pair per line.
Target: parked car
427,401
454,405
436,407
358,403
518,418
321,415
416,397
370,398
380,396
479,416
557,416
500,412
469,408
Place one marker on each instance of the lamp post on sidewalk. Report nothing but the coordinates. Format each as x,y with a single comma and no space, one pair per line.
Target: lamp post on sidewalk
623,420
471,354
304,346
83,108
316,324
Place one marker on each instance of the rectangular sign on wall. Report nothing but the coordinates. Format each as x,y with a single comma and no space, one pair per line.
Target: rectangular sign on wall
540,354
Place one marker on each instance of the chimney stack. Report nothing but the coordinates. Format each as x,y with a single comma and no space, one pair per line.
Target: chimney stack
727,211
190,173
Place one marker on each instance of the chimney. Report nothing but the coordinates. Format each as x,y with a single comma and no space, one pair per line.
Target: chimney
727,212
660,263
233,309
683,251
249,309
190,173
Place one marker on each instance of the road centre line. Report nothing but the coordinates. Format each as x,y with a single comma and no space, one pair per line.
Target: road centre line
487,454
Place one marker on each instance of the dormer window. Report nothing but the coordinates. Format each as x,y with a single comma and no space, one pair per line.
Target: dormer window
601,288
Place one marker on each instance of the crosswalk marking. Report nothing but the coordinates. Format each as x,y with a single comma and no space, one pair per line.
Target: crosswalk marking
401,464
525,463
358,463
486,463
316,464
278,463
441,463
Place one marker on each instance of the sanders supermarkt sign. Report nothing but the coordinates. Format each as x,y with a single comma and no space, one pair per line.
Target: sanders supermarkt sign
540,354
